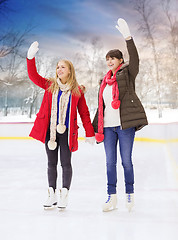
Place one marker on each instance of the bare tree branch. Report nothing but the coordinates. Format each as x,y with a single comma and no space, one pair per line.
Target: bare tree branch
147,27
173,32
4,7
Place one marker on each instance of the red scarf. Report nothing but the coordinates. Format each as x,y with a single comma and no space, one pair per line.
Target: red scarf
115,103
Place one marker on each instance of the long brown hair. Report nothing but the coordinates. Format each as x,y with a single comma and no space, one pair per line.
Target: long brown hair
72,81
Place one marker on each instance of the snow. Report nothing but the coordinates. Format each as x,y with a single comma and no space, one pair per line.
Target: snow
23,188
169,115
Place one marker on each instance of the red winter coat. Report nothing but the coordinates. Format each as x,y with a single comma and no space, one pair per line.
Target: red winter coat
42,121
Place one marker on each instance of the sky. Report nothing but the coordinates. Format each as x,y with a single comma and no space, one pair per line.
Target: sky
61,25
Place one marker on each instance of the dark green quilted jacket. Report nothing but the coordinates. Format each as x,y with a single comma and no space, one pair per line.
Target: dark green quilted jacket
132,113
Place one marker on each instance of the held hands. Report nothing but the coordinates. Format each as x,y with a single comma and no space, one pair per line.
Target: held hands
33,49
123,28
90,140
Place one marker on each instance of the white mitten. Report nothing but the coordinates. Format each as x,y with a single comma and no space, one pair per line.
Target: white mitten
90,140
123,28
33,49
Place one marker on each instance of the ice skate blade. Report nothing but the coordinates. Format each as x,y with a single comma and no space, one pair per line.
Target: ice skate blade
130,210
110,209
50,207
61,208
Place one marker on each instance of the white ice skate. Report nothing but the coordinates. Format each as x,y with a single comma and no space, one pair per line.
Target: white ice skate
63,201
111,203
51,201
129,201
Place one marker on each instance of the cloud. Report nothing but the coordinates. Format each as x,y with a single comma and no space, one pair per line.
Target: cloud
72,22
68,23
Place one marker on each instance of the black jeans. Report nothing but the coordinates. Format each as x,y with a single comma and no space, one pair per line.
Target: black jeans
65,159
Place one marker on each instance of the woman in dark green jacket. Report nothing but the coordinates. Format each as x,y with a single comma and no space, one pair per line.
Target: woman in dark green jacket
120,113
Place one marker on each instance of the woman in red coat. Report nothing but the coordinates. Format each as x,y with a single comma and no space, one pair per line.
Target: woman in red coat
56,122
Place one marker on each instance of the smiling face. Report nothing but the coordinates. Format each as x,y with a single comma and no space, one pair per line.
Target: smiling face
113,63
63,71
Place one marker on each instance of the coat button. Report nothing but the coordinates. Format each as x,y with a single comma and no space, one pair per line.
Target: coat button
131,100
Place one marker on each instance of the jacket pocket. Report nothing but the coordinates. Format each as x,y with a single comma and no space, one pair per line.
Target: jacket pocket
133,103
39,122
75,131
75,139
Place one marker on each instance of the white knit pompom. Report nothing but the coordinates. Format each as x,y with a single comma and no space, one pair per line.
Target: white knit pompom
61,128
52,145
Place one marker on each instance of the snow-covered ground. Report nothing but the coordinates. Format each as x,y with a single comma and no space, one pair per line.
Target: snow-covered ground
23,188
168,115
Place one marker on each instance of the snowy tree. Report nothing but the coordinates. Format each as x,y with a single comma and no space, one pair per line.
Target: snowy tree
90,68
171,24
10,40
147,25
46,67
11,77
11,60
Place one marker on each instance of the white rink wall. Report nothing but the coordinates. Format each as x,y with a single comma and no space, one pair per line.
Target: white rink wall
165,128
159,131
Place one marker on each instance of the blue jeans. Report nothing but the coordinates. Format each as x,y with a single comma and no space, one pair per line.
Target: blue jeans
126,139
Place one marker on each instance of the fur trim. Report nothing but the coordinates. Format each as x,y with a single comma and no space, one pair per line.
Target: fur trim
124,65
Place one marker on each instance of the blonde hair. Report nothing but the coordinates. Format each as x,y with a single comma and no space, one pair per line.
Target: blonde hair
72,81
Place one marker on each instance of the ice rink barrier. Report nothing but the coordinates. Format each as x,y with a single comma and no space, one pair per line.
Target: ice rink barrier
154,132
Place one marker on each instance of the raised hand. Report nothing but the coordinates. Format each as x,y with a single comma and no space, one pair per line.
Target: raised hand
123,28
33,49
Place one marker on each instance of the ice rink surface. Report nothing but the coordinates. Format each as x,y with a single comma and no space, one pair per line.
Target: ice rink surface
23,189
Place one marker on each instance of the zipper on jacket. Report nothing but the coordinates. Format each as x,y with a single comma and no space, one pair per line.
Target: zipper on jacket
69,119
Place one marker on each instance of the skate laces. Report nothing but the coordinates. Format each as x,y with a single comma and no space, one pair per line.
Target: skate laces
109,197
129,198
49,195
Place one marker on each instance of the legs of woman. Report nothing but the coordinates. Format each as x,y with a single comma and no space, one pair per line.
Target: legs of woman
126,139
52,174
110,145
52,162
65,158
